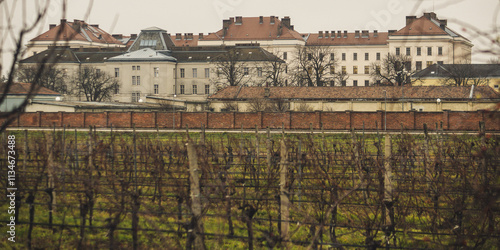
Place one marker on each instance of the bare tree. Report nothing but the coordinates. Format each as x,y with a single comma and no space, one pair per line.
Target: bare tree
312,65
464,75
394,70
95,85
230,68
274,71
340,78
51,78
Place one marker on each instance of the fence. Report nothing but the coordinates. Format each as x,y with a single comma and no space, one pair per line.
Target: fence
449,120
261,190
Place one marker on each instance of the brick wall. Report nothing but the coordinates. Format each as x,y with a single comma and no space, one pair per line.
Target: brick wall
451,120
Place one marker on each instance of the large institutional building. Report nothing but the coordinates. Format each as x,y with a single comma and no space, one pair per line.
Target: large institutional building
156,64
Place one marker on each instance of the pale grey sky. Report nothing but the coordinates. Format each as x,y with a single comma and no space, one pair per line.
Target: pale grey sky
195,16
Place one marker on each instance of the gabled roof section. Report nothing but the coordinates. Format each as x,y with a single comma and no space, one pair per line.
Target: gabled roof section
143,55
154,38
344,39
24,89
427,25
255,28
77,30
349,93
188,40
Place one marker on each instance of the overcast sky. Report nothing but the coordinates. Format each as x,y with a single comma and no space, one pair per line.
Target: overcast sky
195,16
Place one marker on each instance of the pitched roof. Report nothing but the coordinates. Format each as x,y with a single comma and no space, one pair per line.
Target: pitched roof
154,38
142,55
69,55
419,27
77,31
209,53
351,39
185,41
251,28
347,93
20,88
473,70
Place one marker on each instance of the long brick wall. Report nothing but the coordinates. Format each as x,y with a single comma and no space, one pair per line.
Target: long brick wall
450,120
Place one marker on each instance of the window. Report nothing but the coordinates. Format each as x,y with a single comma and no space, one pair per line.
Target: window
195,89
245,71
183,73
332,56
98,71
133,67
418,65
440,51
182,89
367,70
259,71
147,43
429,63
419,51
344,70
138,67
398,51
377,69
134,82
207,73
408,66
408,51
332,69
378,56
440,62
195,73
343,56
136,96
378,82
355,83
156,90
309,57
367,83
285,56
117,72
429,51
343,82
157,72
354,69
207,89
116,90
138,80
367,56
355,56
495,86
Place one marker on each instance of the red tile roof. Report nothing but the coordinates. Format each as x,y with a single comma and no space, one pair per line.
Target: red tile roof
420,27
251,29
183,42
24,88
325,93
77,31
380,39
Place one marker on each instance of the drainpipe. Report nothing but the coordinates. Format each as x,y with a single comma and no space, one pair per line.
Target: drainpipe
471,92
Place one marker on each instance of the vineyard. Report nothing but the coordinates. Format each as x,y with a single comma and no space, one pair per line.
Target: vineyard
261,190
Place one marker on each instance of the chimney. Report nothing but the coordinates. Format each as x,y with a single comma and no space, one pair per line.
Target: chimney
77,26
231,20
345,33
200,36
320,35
430,15
178,36
327,34
375,33
339,34
226,23
51,26
365,34
356,34
117,36
239,20
63,21
391,32
410,19
286,21
443,23
189,36
261,19
272,20
95,25
133,36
